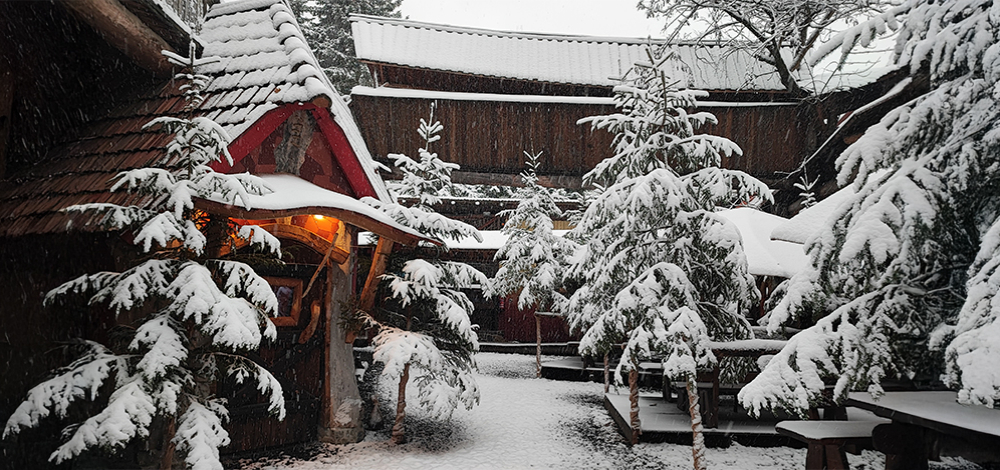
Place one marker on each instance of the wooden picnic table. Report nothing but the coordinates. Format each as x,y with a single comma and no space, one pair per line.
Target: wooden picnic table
922,420
709,386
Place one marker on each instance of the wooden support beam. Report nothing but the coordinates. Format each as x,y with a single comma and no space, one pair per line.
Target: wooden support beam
382,251
126,32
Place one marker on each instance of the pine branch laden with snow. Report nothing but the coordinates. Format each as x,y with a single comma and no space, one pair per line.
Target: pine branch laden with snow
909,263
532,258
196,312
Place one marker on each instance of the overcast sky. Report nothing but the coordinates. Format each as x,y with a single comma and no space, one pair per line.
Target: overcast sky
611,18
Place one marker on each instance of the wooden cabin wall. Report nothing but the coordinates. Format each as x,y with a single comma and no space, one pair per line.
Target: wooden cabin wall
422,79
490,137
31,335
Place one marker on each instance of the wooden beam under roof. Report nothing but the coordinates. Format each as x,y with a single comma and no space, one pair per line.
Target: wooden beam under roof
126,32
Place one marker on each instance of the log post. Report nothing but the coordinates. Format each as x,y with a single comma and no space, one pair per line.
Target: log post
538,346
633,398
697,436
398,429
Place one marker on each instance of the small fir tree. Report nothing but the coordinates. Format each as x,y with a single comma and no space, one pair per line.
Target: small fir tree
433,333
662,272
198,313
904,276
532,258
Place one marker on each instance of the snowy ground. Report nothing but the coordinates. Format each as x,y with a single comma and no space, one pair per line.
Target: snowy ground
523,422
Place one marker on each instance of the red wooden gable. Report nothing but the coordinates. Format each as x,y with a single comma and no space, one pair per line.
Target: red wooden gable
330,161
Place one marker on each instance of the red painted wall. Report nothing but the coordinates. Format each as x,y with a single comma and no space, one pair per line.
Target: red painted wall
518,325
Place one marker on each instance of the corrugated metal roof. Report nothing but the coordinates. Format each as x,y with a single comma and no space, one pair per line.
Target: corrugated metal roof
577,60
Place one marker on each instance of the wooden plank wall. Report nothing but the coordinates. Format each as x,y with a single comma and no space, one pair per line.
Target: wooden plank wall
490,137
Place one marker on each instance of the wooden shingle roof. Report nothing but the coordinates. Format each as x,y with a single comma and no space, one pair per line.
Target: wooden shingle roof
263,64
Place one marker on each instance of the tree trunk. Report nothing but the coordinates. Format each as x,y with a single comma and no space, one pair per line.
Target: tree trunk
607,374
398,431
633,398
167,458
538,346
698,439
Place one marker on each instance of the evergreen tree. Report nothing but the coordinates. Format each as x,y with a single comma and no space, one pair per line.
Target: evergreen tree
663,274
532,258
197,313
327,27
433,333
904,276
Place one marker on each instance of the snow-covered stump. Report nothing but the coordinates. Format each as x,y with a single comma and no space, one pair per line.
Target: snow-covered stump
341,422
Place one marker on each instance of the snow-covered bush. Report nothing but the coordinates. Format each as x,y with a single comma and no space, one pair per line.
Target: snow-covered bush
433,332
662,272
197,313
904,274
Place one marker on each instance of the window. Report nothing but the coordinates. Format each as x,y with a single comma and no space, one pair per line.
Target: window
289,294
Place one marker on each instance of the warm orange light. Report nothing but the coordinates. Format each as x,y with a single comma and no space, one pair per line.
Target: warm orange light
318,217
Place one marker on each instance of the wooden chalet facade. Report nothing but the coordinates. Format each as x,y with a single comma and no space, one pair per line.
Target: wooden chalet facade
77,85
499,94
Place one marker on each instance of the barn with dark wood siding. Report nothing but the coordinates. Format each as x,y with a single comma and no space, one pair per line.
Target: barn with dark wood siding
499,94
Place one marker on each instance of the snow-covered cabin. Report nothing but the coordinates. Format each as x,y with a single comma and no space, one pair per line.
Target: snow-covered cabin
78,80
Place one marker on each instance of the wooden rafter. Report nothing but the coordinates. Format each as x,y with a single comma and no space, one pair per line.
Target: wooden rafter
126,32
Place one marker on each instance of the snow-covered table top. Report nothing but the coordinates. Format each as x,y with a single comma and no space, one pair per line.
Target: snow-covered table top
819,430
765,257
934,410
748,346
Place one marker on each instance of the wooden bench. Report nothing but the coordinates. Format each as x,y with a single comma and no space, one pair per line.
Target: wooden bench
827,441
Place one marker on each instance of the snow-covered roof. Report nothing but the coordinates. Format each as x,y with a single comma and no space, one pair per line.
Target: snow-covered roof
492,240
765,257
810,220
578,60
390,92
294,195
264,62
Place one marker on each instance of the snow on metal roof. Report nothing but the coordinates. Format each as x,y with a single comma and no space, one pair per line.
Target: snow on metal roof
264,62
577,60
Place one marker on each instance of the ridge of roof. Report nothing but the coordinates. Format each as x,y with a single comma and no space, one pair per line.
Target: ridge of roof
517,34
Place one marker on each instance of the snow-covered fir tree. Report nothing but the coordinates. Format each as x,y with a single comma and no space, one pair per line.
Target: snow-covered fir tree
327,27
663,273
904,276
196,313
532,259
431,332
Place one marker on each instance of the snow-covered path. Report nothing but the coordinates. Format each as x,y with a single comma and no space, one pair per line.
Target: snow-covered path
523,422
